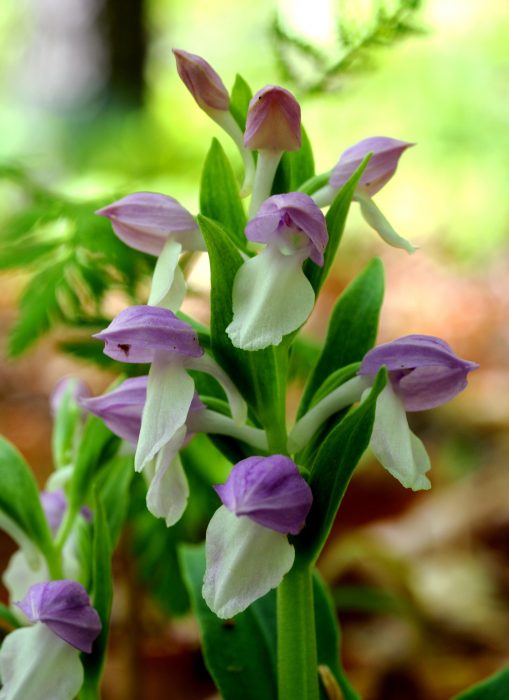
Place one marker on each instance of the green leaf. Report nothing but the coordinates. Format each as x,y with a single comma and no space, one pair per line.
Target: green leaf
113,483
295,168
19,497
240,654
66,422
255,373
495,687
332,469
97,446
336,220
219,195
328,637
239,101
353,327
335,380
102,596
8,618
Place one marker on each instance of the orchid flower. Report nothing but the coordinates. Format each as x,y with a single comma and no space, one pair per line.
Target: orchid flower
42,661
212,97
424,372
157,225
122,409
271,294
247,549
272,127
142,334
386,153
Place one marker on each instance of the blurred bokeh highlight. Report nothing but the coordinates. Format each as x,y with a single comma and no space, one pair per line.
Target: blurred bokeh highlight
91,106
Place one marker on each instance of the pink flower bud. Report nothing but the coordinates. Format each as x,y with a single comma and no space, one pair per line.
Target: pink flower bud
202,81
273,120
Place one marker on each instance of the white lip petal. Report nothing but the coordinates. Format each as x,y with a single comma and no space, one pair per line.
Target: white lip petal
271,298
395,446
168,285
244,562
168,491
169,394
36,664
374,217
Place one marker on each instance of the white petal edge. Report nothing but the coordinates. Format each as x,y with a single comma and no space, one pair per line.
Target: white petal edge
395,446
169,394
374,217
169,490
244,562
35,664
271,298
168,285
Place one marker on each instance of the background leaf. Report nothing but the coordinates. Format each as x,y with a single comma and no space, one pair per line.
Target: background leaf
494,688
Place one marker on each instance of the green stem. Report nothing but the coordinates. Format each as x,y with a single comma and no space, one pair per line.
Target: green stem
65,528
296,637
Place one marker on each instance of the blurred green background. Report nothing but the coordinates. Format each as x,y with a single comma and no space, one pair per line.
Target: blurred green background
91,108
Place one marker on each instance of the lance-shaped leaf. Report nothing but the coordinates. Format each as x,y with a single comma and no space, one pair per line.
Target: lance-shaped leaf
222,203
495,687
240,98
295,168
336,220
353,328
19,497
332,469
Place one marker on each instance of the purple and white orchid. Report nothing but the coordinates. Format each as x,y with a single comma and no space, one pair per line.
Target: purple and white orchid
247,549
42,661
271,294
382,165
157,225
424,372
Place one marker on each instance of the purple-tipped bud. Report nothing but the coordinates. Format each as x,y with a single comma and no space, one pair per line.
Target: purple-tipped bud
273,121
139,332
270,491
64,606
424,371
202,81
122,408
380,168
145,220
78,390
293,221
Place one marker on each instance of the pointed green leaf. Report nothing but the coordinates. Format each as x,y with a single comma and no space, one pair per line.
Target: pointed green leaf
332,469
219,195
336,220
295,167
495,687
19,497
353,328
102,596
239,101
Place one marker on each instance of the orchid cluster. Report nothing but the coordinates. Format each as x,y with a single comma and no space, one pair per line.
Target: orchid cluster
281,496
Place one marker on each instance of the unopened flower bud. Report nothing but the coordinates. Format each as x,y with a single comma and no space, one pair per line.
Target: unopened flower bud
202,81
273,121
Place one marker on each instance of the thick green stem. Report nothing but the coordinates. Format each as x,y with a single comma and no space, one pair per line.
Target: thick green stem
296,637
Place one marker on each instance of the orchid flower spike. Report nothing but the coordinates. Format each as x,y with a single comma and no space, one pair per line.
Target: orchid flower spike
272,127
271,294
151,334
247,550
386,153
211,95
157,225
43,661
424,372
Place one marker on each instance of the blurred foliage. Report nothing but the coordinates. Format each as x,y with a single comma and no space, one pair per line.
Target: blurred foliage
311,69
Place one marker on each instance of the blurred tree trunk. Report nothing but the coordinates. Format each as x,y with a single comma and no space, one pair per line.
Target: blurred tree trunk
122,23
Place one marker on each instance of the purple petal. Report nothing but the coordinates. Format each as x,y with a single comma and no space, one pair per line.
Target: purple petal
285,217
54,504
78,388
64,606
138,332
122,408
144,220
273,120
202,81
270,491
381,167
424,371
